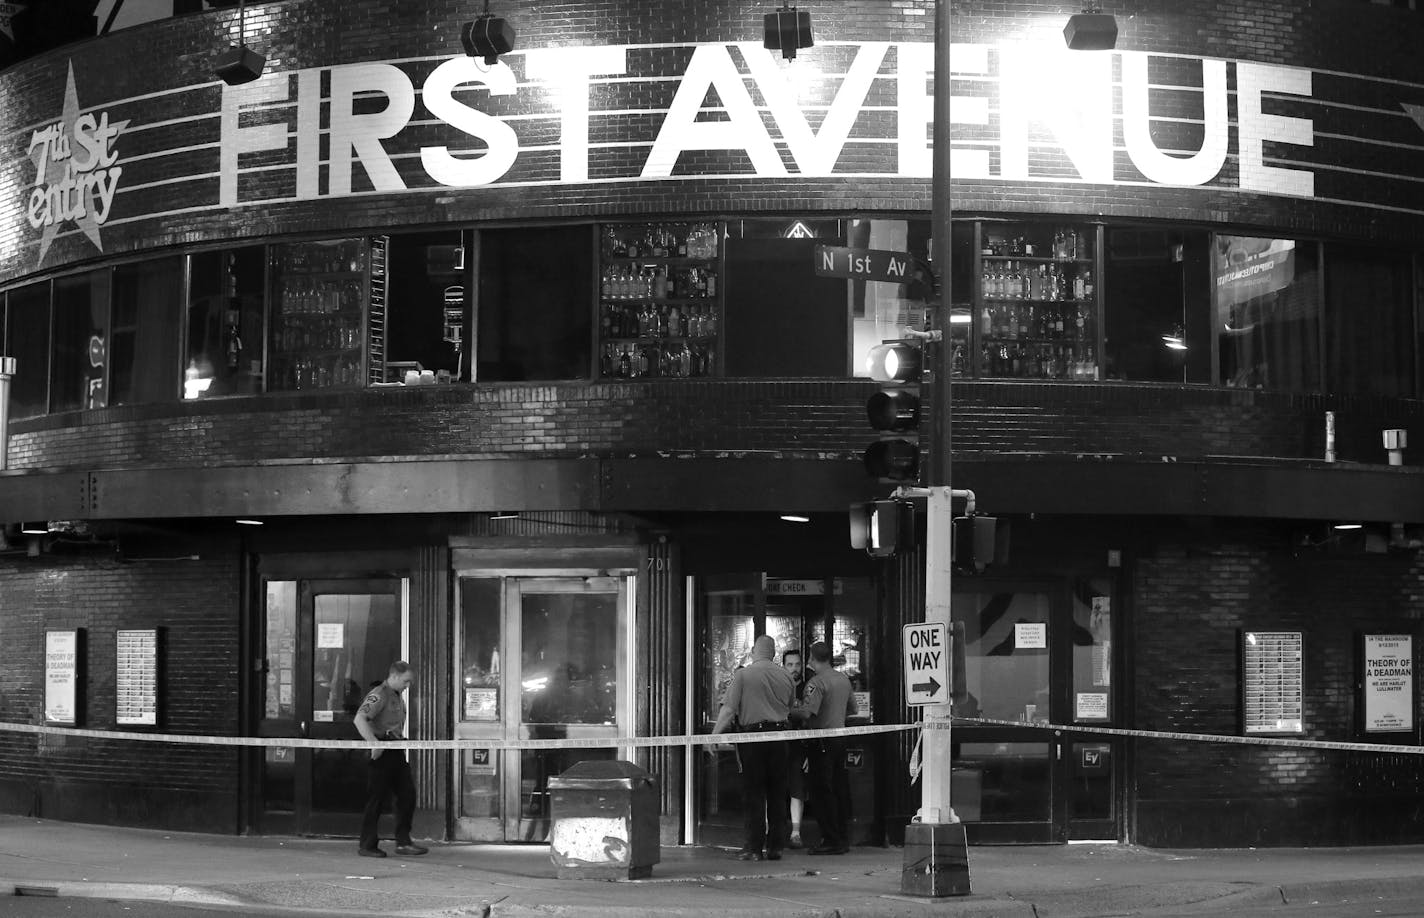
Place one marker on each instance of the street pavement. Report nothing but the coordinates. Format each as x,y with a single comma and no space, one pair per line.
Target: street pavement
41,857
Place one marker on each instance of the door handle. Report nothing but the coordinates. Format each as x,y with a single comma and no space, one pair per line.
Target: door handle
302,729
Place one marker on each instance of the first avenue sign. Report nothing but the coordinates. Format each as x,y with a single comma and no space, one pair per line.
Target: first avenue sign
1021,113
774,136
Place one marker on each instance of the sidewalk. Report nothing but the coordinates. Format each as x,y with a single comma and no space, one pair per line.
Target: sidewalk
508,881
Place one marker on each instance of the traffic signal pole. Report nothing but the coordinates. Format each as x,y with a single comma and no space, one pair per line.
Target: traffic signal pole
936,850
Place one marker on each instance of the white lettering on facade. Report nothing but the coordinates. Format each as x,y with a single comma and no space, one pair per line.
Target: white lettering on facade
1196,169
1255,128
503,145
569,71
755,111
712,69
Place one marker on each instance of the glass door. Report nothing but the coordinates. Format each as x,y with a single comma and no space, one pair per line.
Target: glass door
1036,654
326,642
541,658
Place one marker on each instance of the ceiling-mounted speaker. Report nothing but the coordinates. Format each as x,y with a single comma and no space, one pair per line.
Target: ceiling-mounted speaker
238,64
488,37
787,31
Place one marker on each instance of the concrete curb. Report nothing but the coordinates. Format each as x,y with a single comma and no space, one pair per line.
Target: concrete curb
148,892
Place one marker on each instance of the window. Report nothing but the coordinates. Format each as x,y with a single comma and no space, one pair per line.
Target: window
1156,305
28,343
143,356
427,311
1370,331
1266,313
81,341
782,318
223,355
535,304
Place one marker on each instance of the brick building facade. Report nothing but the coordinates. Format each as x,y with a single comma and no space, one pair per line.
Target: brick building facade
598,515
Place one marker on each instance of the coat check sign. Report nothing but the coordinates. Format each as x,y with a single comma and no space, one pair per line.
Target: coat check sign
926,649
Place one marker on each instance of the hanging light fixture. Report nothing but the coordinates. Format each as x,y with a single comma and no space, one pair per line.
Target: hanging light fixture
1177,340
239,64
787,30
488,36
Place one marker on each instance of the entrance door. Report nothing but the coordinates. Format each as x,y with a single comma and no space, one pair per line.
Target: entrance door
1035,654
326,643
540,658
732,610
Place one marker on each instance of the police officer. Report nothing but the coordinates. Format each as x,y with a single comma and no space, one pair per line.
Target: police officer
758,700
827,703
382,718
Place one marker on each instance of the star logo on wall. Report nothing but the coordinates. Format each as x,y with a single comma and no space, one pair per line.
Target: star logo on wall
76,172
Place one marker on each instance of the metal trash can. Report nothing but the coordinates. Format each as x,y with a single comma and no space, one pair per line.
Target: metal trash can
605,816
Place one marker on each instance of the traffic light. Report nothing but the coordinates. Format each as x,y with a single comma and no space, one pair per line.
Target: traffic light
895,411
882,527
973,542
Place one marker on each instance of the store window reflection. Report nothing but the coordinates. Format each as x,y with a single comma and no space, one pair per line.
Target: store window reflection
1370,327
223,355
28,342
1156,305
144,350
1005,655
534,290
1267,313
78,372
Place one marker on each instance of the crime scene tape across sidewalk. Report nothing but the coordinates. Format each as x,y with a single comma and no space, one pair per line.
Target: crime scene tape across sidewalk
699,739
569,742
1194,737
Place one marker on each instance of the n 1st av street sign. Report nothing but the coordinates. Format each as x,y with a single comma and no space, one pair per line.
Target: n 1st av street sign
926,649
864,264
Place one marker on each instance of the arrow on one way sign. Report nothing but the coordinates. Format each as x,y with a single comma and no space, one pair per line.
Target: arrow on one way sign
929,688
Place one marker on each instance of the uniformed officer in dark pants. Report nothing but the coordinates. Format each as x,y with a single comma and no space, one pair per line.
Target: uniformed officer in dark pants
758,700
382,718
827,703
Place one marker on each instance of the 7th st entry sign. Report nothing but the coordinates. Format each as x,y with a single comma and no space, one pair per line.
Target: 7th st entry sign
863,264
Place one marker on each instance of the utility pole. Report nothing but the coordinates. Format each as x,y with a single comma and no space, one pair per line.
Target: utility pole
936,851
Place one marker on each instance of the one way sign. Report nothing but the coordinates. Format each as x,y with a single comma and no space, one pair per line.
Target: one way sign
926,647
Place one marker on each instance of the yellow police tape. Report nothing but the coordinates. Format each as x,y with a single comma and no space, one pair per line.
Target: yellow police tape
489,742
699,739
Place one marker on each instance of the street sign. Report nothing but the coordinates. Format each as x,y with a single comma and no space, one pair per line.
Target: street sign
864,264
926,664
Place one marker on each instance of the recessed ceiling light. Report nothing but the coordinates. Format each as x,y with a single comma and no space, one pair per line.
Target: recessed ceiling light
795,518
248,522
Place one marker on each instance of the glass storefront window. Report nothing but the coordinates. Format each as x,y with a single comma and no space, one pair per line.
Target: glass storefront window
535,292
144,350
27,315
356,636
1038,313
480,664
1266,312
1370,329
427,309
320,295
78,376
225,323
1002,782
659,300
1156,305
1006,645
784,320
